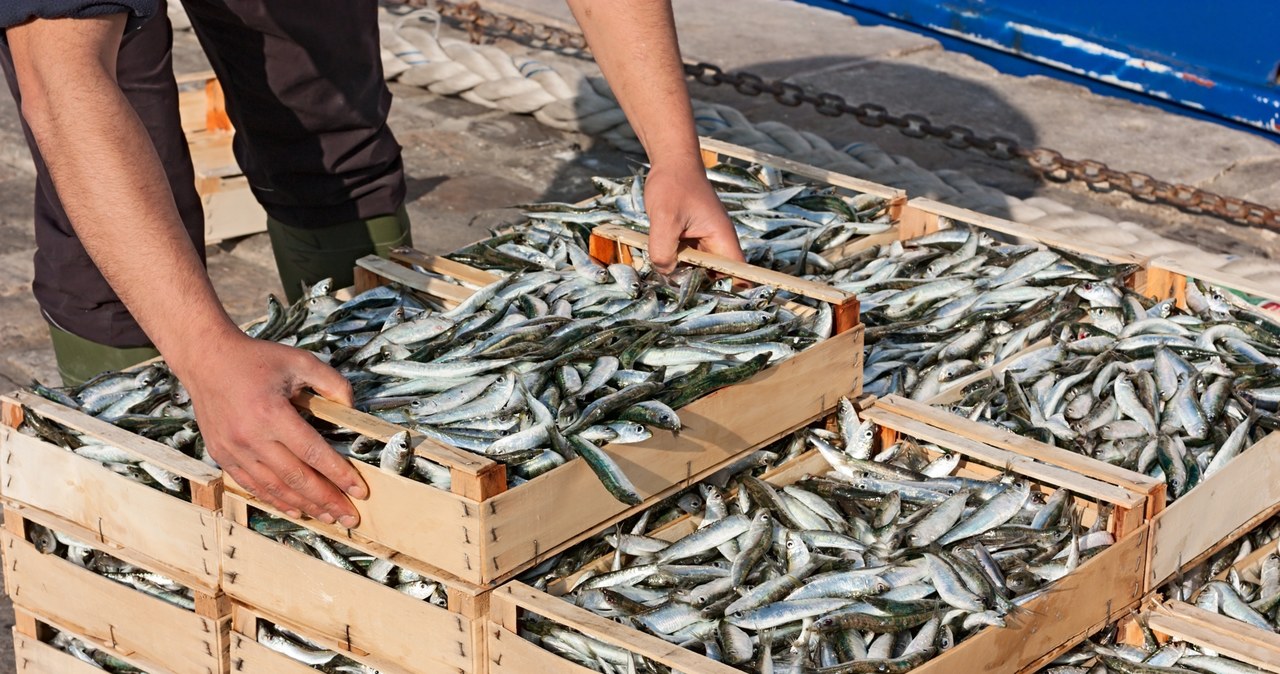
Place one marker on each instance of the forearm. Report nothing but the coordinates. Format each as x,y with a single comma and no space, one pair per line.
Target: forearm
114,190
634,42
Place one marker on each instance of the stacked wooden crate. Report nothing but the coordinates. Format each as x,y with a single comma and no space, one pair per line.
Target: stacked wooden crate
230,209
45,485
1103,589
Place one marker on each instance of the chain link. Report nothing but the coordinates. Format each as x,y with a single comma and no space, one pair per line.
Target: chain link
1050,164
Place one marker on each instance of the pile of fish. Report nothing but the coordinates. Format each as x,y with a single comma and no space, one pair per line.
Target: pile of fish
944,305
349,559
781,224
532,370
538,368
1143,386
90,655
877,566
1152,657
52,542
297,647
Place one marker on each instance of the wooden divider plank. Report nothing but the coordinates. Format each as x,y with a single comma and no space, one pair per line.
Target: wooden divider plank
885,413
520,527
250,657
36,657
1134,482
1181,271
1042,235
416,519
177,536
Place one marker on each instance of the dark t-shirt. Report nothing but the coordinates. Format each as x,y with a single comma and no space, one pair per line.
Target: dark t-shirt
14,12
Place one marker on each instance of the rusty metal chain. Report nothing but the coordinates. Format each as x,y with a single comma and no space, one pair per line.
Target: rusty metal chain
1050,164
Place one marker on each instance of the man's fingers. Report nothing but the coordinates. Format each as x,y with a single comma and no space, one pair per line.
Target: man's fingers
324,380
722,243
249,482
306,444
293,481
664,241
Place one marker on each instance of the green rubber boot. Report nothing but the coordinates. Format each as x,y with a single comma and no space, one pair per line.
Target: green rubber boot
306,255
80,359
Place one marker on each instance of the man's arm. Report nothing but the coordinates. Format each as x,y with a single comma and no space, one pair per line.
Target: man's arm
634,41
115,193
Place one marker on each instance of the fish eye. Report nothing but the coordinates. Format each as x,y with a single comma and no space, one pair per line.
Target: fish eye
868,433
951,491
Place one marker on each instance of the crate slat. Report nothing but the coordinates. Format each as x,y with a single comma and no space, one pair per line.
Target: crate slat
1168,277
720,147
521,529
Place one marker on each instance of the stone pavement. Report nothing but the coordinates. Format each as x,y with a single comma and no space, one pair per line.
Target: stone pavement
466,163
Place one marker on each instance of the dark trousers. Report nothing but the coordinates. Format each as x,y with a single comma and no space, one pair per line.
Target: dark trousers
304,89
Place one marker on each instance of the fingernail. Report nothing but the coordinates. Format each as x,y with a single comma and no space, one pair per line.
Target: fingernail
325,517
295,514
358,491
348,521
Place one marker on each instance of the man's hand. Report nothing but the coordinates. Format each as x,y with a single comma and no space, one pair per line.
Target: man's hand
634,41
241,390
683,208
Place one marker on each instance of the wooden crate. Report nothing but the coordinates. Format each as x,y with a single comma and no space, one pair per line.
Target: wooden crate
250,657
34,655
230,209
173,536
484,533
150,630
1220,634
348,612
1102,589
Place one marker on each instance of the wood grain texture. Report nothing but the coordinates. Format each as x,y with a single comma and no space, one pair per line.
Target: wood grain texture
178,537
174,639
346,608
1227,637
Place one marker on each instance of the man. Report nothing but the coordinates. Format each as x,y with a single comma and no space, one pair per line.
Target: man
119,265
